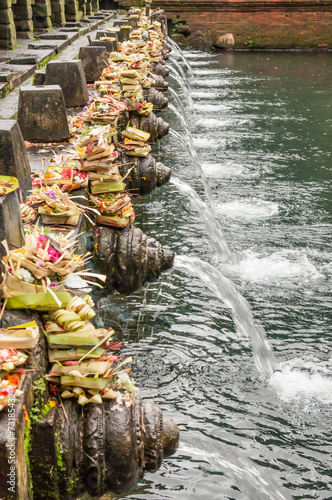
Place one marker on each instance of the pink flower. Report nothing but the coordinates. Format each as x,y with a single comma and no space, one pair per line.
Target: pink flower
54,255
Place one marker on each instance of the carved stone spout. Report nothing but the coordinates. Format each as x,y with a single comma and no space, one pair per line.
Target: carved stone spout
156,126
155,97
160,69
105,448
129,257
146,175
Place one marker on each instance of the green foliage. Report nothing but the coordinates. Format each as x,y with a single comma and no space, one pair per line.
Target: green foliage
249,43
38,409
28,447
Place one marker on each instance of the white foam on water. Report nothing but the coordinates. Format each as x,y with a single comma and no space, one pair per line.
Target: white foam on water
284,264
208,72
210,107
198,55
303,381
194,63
227,169
203,95
248,209
214,122
211,82
203,142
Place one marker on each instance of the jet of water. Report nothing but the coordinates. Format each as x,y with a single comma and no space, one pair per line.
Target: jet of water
194,156
244,321
255,483
213,229
179,52
180,71
186,91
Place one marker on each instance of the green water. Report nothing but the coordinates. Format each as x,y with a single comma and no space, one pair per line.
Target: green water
263,134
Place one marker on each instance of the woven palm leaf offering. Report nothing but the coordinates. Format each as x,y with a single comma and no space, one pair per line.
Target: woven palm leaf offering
135,142
19,337
28,213
41,266
11,360
10,384
95,150
115,209
102,111
57,207
60,170
84,368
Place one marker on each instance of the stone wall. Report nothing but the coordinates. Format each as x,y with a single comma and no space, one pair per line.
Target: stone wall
254,24
21,18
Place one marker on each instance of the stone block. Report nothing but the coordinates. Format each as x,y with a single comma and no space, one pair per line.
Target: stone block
42,9
225,41
53,36
6,76
13,157
42,114
24,60
8,33
57,7
22,12
25,25
88,8
39,78
94,60
42,22
6,16
11,227
71,78
95,5
109,46
5,4
72,6
58,19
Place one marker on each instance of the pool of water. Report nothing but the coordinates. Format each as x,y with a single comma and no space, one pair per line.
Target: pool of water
261,124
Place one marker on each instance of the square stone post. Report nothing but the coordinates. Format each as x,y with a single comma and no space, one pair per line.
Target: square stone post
7,25
23,14
58,15
42,14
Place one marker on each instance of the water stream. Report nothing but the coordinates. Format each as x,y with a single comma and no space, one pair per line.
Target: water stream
212,226
262,138
224,289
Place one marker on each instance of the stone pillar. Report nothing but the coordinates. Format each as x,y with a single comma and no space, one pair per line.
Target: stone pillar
42,114
22,10
71,78
94,60
7,26
58,15
42,14
13,157
88,8
82,6
72,10
11,226
95,5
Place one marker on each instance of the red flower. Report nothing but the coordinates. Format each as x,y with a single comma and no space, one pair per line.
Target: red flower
66,173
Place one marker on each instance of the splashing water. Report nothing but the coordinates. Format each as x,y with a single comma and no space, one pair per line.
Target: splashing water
180,71
284,264
304,381
253,209
225,290
186,91
213,229
252,481
179,52
193,153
